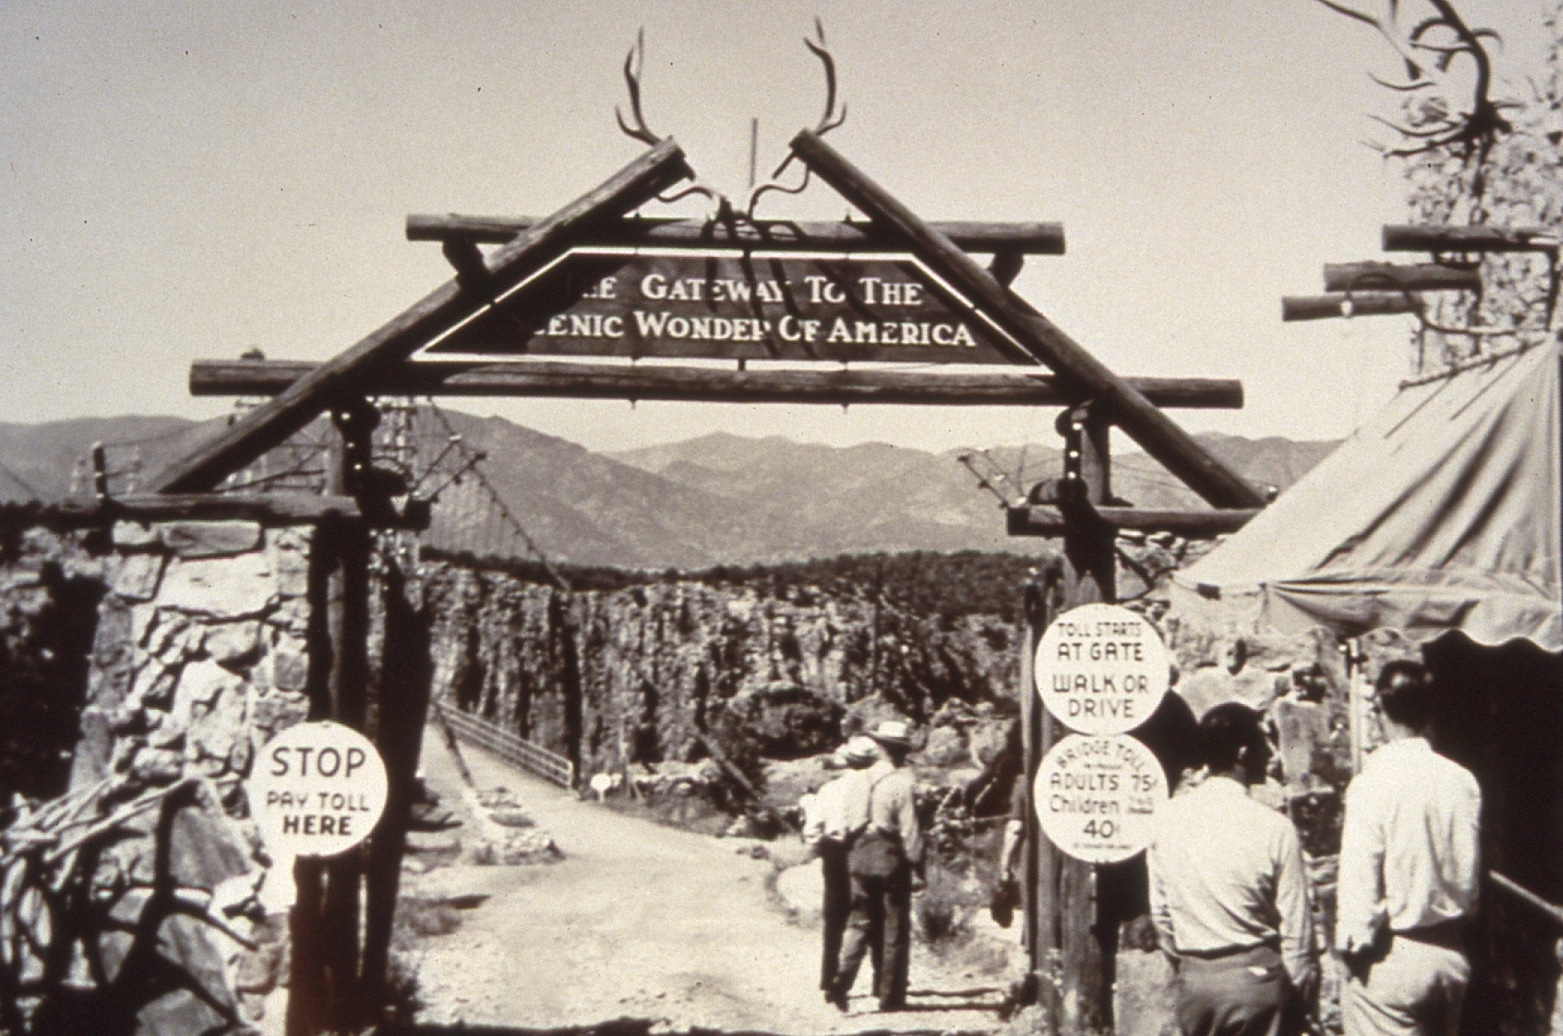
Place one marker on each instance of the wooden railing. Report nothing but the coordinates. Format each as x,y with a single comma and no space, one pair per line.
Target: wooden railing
533,758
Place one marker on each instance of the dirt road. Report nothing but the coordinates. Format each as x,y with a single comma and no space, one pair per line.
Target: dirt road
642,921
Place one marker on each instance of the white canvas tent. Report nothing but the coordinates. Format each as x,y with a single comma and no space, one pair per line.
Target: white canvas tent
1440,513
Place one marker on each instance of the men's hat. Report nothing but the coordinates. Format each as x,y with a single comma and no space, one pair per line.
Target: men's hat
892,732
859,750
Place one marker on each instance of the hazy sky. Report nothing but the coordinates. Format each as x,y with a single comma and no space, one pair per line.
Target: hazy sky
188,180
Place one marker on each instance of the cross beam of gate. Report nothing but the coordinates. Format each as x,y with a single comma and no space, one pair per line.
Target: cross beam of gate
1086,376
267,426
1023,238
701,384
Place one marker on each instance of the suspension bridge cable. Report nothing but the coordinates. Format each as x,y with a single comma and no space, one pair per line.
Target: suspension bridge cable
19,480
497,502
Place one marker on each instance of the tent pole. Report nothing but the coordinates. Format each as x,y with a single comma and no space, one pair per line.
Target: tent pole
1355,720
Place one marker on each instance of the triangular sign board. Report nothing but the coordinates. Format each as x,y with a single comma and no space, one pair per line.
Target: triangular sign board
731,303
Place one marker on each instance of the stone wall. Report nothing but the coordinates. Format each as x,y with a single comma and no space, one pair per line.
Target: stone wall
177,650
200,654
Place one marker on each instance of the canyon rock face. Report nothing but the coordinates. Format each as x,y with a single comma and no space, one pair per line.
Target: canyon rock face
648,673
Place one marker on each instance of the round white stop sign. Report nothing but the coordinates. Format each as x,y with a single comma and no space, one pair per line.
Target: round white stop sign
317,789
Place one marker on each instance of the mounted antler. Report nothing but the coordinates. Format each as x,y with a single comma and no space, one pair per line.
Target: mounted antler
1428,50
634,65
827,122
821,50
634,68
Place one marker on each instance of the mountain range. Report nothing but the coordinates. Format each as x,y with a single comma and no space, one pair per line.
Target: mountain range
716,499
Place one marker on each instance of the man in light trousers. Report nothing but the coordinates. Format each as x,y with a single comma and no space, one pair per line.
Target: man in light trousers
1409,868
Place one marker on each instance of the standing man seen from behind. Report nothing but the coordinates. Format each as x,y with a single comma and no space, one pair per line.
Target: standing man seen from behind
1229,895
1408,872
886,855
826,827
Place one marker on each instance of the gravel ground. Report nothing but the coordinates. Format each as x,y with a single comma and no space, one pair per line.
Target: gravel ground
643,921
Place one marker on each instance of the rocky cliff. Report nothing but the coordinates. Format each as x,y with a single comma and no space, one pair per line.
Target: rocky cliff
650,673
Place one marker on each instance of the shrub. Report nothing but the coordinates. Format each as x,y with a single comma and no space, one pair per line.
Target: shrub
941,912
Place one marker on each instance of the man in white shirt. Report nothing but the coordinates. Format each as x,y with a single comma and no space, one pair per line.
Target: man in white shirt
884,861
1228,892
1409,867
826,825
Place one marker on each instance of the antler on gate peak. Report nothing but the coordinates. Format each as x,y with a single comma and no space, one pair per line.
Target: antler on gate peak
821,50
634,67
827,122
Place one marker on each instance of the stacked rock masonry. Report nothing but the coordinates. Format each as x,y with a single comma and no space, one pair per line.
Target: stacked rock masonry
195,655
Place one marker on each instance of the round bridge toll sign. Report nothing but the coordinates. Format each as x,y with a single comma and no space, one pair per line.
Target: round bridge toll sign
317,789
1097,797
1102,669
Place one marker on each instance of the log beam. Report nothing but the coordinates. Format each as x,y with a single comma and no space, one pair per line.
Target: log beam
702,384
271,509
271,423
1040,520
1358,277
1013,238
1339,304
1084,376
1439,239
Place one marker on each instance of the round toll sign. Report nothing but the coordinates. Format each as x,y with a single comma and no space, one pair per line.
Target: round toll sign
1102,669
1097,797
317,789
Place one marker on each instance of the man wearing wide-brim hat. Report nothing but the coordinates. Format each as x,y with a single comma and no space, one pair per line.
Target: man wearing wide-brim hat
886,851
826,827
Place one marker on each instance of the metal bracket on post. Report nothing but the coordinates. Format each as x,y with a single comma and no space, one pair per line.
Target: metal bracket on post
1085,483
1071,425
356,421
373,487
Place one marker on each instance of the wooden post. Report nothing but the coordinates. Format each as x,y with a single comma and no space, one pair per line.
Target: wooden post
1040,868
1030,726
306,977
347,619
402,698
323,991
1075,948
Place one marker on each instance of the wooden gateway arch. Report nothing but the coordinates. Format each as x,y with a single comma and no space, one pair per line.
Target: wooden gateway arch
593,280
